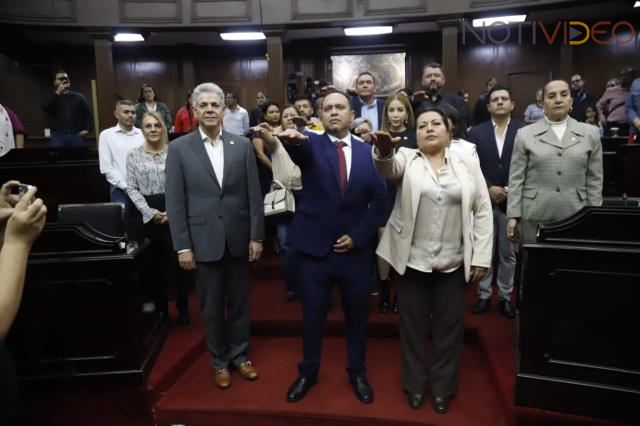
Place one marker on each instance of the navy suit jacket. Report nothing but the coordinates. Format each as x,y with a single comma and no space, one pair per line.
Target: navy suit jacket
495,168
322,214
356,106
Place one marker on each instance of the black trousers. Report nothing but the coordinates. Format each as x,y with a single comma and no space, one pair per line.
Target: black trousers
169,272
440,297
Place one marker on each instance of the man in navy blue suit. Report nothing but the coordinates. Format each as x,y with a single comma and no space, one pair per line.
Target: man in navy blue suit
365,104
333,230
494,141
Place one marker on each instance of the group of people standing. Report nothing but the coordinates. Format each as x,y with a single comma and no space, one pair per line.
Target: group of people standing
432,206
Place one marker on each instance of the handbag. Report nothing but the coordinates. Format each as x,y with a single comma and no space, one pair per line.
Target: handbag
279,200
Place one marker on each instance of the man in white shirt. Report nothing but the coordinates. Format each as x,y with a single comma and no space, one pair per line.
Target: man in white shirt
494,140
236,118
114,145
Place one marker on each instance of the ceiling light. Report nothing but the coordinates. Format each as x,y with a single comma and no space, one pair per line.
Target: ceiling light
485,22
636,4
243,36
128,37
365,31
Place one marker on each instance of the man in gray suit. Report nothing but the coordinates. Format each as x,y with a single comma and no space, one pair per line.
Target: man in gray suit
215,214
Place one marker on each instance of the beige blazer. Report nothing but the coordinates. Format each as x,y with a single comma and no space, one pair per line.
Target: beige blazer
406,169
549,179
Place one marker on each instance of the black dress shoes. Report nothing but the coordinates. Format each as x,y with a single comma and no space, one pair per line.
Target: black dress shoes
415,400
183,318
440,404
362,389
300,387
481,306
506,308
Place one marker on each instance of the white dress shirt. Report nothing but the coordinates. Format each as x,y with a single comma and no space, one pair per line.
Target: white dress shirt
370,112
236,121
113,147
437,237
215,151
500,137
345,149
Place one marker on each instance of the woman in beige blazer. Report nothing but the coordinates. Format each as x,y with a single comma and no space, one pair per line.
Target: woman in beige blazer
438,238
556,167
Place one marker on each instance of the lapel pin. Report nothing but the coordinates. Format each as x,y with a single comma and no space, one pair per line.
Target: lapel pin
231,142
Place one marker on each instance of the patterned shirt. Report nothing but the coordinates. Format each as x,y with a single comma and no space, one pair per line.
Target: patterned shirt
145,176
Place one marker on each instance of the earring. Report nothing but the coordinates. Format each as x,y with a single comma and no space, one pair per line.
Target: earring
570,109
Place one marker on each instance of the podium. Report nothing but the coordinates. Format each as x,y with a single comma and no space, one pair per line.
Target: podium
577,326
86,311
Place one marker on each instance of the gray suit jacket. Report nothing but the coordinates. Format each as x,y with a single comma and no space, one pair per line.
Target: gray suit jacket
202,215
550,179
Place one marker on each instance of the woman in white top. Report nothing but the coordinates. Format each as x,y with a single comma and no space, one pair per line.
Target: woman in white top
438,238
146,189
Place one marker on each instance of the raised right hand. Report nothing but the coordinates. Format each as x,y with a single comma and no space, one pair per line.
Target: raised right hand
384,142
419,96
292,136
27,220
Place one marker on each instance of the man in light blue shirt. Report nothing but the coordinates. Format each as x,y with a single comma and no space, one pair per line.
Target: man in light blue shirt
365,104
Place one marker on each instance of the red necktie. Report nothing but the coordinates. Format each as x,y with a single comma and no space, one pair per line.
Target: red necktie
342,166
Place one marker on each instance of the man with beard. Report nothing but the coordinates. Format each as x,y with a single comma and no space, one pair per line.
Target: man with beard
333,231
581,99
433,93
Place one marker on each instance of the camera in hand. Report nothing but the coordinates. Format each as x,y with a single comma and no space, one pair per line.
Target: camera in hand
20,189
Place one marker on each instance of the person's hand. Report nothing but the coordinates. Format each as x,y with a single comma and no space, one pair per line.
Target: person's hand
265,132
27,220
83,132
159,218
384,142
7,199
255,251
512,229
186,260
477,273
418,97
344,244
330,89
62,86
497,194
292,136
300,121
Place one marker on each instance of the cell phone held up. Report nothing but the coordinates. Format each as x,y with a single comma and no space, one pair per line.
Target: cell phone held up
20,189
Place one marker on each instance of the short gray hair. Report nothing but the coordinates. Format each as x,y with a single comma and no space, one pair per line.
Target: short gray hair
206,88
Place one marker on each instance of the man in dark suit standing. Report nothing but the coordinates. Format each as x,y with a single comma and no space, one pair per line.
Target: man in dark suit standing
494,141
333,231
433,94
365,104
216,219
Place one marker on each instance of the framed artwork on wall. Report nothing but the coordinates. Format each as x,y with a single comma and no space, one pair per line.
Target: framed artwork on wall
387,68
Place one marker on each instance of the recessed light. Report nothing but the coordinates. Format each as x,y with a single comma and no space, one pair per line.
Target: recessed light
365,31
485,22
243,36
128,37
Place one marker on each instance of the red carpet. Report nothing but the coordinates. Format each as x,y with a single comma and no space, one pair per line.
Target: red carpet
196,402
180,389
